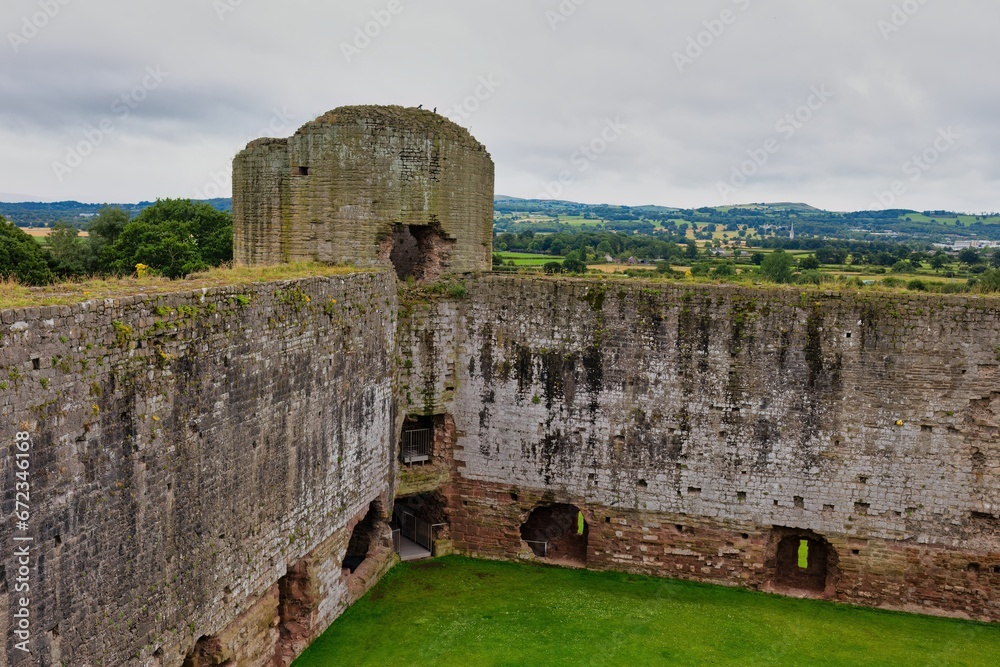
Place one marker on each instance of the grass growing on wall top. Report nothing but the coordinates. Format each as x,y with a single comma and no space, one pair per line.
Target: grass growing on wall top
460,612
14,295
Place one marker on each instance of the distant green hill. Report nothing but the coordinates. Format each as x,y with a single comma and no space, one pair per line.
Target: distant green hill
46,214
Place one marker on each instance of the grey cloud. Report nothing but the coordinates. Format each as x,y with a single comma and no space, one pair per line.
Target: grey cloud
603,60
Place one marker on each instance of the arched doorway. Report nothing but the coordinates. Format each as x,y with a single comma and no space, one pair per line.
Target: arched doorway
362,540
803,562
557,533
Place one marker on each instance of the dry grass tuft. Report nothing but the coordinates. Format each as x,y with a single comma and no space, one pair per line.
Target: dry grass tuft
15,295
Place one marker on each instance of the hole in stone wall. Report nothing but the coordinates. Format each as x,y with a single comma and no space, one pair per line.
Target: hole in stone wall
296,605
802,563
557,533
58,540
694,491
643,484
972,567
927,429
419,252
800,502
996,569
828,508
513,496
420,520
300,171
862,508
207,652
362,540
36,364
741,497
856,552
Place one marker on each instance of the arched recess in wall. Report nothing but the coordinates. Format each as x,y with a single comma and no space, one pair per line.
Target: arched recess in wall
803,561
363,540
419,252
557,533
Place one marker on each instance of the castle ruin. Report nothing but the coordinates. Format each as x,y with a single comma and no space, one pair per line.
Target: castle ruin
215,472
365,186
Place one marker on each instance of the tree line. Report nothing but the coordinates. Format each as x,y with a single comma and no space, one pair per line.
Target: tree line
171,238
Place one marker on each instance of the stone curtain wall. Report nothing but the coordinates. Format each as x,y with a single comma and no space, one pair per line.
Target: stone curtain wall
189,451
689,421
335,190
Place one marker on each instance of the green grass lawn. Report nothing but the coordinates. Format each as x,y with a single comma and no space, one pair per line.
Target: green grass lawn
464,613
529,259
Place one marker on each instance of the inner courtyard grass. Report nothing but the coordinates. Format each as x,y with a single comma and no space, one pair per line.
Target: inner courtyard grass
462,612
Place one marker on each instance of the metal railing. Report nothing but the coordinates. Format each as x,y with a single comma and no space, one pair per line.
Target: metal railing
395,540
416,530
416,446
540,549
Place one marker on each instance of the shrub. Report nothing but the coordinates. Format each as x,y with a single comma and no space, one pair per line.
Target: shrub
21,258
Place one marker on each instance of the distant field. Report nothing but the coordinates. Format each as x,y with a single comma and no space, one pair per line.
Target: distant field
949,220
460,612
529,259
42,232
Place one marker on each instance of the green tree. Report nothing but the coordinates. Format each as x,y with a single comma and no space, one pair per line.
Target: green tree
103,230
174,237
21,258
553,267
777,267
169,248
810,263
758,258
989,281
969,256
573,263
212,229
67,251
939,261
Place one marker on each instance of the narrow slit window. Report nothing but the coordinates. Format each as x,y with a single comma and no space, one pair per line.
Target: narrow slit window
804,554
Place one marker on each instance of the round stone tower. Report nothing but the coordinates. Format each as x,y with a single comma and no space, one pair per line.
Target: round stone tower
367,185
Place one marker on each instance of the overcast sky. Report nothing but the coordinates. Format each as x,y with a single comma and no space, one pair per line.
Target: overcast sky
680,103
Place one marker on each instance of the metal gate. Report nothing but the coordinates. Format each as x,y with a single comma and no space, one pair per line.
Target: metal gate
416,446
416,529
